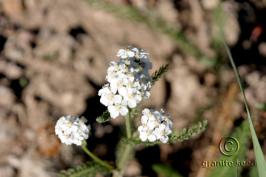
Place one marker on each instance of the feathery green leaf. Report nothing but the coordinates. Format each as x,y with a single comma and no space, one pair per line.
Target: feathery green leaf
188,133
88,169
182,135
159,73
105,117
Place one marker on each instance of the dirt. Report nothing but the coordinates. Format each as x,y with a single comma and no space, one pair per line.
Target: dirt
54,56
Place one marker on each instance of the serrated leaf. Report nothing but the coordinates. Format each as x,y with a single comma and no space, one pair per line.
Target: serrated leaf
159,73
182,135
188,133
105,117
88,169
136,141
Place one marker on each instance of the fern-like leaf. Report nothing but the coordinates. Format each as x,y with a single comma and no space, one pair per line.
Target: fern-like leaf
159,73
104,117
182,135
188,133
88,169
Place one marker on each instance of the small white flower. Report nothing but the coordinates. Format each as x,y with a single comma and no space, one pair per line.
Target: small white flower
164,139
143,137
107,97
72,130
117,109
117,85
122,91
131,98
122,53
155,126
129,78
151,138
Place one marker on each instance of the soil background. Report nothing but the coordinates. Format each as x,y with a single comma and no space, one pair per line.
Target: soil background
53,60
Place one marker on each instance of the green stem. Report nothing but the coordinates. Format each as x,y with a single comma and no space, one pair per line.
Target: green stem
128,126
95,158
125,156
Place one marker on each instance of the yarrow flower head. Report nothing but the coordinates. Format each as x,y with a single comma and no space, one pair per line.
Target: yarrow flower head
128,80
155,126
72,130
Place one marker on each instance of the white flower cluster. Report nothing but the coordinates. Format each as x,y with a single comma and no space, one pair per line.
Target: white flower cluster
155,126
129,82
72,130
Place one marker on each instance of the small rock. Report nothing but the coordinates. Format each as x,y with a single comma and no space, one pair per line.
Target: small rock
210,4
262,49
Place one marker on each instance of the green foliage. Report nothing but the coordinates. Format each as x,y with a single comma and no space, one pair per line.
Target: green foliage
88,169
124,151
260,160
253,172
135,112
241,134
261,106
159,73
23,82
188,133
136,141
182,135
165,171
105,117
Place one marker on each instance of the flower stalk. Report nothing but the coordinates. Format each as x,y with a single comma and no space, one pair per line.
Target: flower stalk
95,158
124,158
128,126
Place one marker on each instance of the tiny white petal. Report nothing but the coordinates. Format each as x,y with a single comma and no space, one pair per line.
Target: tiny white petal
104,101
113,111
164,139
122,91
132,103
152,138
72,130
129,78
122,53
136,50
156,125
143,136
130,54
117,99
144,119
123,110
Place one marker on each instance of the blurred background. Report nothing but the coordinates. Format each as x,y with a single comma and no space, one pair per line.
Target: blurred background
53,60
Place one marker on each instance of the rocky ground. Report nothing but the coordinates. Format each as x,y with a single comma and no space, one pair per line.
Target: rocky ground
53,59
